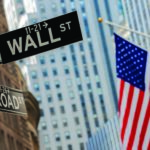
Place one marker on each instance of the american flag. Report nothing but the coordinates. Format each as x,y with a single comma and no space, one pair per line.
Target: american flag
133,72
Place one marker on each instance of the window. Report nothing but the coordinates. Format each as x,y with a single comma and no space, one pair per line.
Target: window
47,86
80,87
74,107
45,73
96,122
42,60
98,84
67,135
83,59
36,87
76,119
41,112
79,134
59,96
57,137
62,109
76,71
64,58
59,148
39,99
49,98
52,111
52,59
54,123
95,70
81,47
89,86
34,75
66,69
70,147
42,9
46,139
57,84
71,94
43,124
81,146
55,73
69,83
65,124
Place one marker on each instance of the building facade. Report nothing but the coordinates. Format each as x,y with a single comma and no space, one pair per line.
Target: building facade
75,84
107,138
17,132
137,14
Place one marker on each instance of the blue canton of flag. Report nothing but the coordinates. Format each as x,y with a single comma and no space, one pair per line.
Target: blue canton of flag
131,62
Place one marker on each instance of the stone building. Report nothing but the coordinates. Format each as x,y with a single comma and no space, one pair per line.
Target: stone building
17,132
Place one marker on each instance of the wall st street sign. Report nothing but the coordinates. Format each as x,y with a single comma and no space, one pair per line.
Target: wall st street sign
12,101
40,37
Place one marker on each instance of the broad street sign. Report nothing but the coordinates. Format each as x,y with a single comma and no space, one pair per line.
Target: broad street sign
12,101
40,37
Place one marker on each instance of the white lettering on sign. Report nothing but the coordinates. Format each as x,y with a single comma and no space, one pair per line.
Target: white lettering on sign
15,44
63,27
29,42
10,102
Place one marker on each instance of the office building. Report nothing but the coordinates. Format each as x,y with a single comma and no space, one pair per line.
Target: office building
74,84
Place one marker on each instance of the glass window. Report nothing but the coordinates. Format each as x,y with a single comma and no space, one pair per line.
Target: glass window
66,69
45,73
44,127
81,47
57,137
69,82
42,60
34,75
52,111
46,139
96,122
95,70
98,84
81,146
60,96
83,59
80,87
54,123
67,135
76,71
64,58
89,86
57,84
79,134
36,87
62,109
52,59
39,99
42,9
55,73
70,147
59,148
41,112
71,94
74,108
49,98
77,120
65,124
47,86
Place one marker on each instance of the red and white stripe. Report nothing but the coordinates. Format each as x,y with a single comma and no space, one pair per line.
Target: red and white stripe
134,112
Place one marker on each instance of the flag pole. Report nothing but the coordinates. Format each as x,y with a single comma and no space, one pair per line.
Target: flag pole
101,20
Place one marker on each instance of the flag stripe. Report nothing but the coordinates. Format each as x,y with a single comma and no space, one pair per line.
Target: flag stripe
121,94
148,148
127,111
135,120
131,116
144,127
